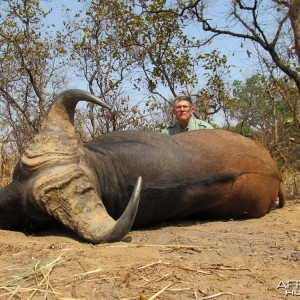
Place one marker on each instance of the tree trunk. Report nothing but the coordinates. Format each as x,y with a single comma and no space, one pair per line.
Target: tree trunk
294,15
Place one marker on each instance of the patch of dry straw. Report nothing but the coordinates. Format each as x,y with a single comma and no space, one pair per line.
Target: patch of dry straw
35,280
147,281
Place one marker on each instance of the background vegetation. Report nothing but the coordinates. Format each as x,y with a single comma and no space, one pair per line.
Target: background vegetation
138,54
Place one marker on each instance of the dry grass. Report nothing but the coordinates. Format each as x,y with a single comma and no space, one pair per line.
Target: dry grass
292,184
25,282
160,278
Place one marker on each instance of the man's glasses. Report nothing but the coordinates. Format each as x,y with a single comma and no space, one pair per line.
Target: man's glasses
182,107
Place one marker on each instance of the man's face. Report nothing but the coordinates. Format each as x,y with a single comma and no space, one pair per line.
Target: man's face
183,110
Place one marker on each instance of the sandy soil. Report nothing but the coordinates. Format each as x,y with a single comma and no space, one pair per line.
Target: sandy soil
250,259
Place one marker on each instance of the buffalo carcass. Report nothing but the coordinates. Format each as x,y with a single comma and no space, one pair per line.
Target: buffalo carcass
201,174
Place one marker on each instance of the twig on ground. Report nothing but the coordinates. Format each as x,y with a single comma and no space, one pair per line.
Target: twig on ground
153,264
218,295
160,292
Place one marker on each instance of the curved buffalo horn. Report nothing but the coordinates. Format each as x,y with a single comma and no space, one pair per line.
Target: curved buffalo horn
64,186
57,140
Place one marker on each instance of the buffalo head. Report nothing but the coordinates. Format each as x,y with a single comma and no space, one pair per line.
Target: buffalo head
52,180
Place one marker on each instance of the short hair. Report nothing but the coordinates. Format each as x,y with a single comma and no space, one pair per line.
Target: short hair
183,98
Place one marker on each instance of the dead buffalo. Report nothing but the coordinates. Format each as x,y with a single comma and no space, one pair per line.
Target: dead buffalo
200,174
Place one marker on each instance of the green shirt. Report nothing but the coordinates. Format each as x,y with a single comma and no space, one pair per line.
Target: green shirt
194,124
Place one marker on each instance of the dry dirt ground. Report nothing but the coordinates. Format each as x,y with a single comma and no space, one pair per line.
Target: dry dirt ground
250,259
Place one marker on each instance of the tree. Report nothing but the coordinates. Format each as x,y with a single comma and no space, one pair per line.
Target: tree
214,97
29,62
294,16
254,109
254,22
157,45
261,113
120,46
99,59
